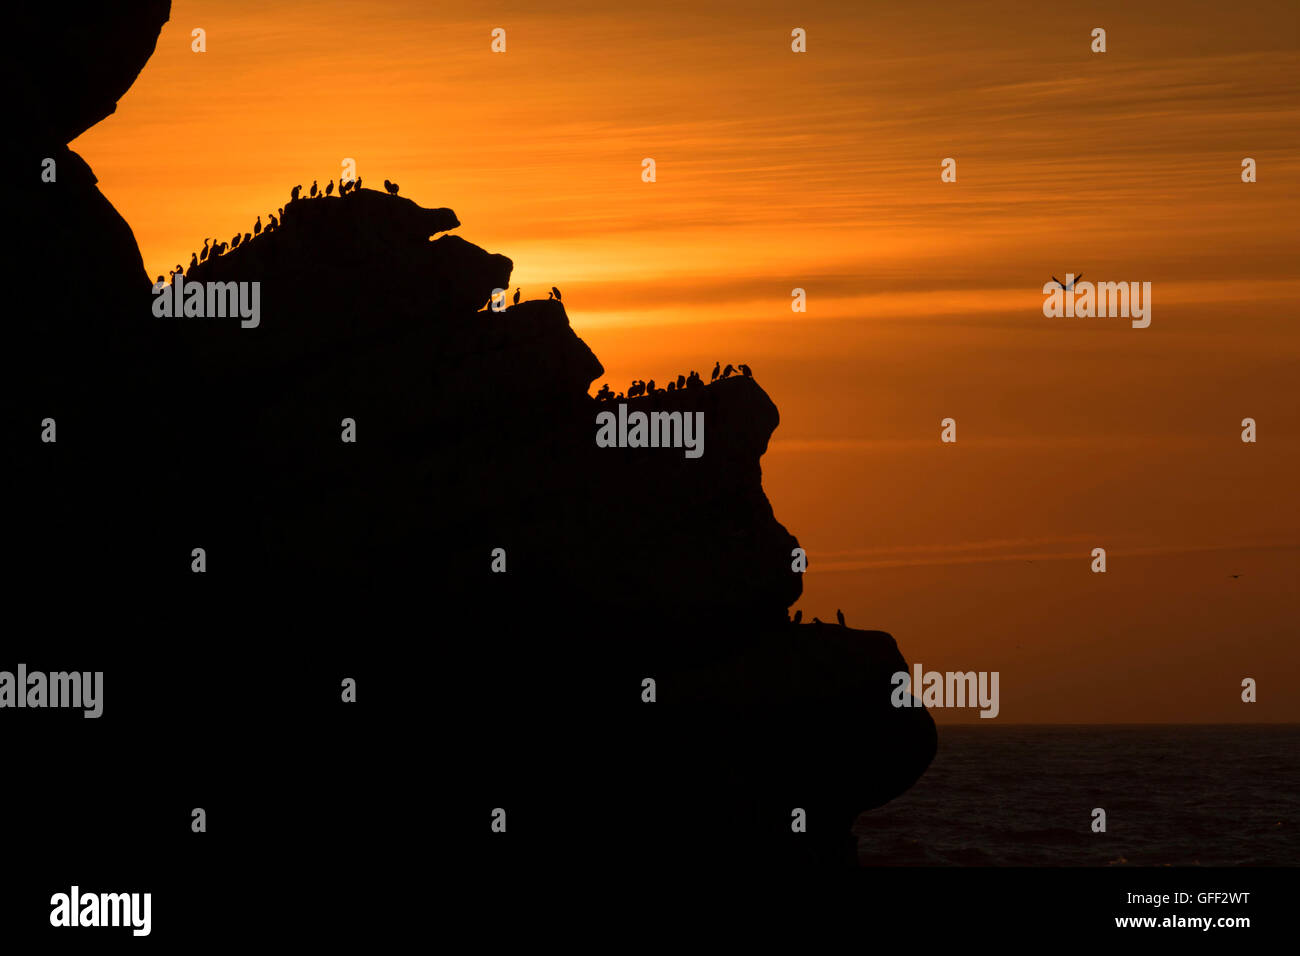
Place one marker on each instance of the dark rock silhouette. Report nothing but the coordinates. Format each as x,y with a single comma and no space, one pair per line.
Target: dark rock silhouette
475,431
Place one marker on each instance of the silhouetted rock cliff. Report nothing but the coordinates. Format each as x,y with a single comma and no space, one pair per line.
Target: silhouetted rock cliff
474,431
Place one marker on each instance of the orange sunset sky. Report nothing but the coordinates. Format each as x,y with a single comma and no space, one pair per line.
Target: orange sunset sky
821,171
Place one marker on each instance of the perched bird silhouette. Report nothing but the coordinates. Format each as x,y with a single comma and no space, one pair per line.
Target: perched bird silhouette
204,254
681,381
293,193
358,185
726,372
257,227
1070,287
391,187
746,371
717,367
247,236
272,223
313,189
516,296
551,294
194,261
556,291
798,616
839,616
177,270
329,189
234,243
344,186
672,387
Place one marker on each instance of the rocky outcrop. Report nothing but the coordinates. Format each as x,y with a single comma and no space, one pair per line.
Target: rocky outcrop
474,444
66,69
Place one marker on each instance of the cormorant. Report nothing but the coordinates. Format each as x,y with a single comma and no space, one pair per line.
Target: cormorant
313,189
234,243
257,227
194,261
391,187
293,193
717,367
839,616
204,254
329,189
556,291
748,373
727,371
516,296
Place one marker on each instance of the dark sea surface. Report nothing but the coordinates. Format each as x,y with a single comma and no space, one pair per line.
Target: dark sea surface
1207,795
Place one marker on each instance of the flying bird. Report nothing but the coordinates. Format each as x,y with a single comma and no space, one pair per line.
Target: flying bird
1070,287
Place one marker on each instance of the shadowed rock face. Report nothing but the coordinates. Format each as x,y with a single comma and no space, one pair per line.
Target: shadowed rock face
475,430
67,68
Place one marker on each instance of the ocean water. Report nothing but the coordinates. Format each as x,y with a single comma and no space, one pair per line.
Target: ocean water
1193,795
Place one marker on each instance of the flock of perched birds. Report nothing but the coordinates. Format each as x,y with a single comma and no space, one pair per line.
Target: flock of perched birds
639,388
273,222
798,618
